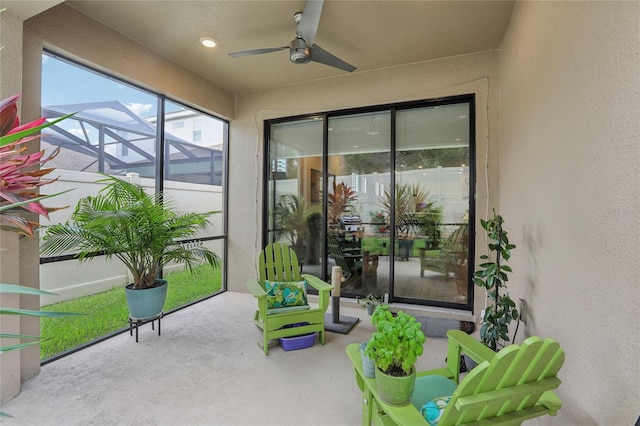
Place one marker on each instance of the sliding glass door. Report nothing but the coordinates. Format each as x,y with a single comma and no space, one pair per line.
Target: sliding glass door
384,193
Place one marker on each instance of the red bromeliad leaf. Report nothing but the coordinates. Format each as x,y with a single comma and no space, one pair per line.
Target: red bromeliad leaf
29,125
17,224
21,174
9,114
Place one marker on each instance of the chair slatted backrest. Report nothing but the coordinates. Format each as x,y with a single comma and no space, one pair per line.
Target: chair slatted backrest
458,239
335,252
510,385
278,262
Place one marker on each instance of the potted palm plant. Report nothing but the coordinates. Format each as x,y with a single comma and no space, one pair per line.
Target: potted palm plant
292,214
394,348
492,276
141,230
415,215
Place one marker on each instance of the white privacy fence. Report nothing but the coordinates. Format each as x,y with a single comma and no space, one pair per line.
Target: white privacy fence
69,279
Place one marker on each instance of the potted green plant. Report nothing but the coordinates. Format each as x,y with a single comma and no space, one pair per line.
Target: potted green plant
394,348
339,201
493,276
291,216
414,214
141,230
369,302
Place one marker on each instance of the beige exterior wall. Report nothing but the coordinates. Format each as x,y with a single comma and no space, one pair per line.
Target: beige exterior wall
475,73
10,265
569,182
565,175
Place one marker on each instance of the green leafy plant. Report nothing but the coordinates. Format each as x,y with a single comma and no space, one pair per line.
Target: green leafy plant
493,276
414,213
138,228
397,342
291,215
379,220
369,299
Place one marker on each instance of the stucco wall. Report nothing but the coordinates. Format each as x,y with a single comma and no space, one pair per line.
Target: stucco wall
570,78
475,73
10,84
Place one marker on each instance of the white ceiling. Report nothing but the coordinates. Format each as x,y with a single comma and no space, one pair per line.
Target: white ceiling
367,34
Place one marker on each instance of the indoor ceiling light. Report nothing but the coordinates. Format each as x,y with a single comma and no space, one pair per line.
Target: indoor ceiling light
208,42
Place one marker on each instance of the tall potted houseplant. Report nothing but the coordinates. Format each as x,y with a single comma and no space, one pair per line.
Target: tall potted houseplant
292,215
394,348
493,277
141,230
414,213
339,201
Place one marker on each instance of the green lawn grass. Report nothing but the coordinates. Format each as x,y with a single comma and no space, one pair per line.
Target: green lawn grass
107,312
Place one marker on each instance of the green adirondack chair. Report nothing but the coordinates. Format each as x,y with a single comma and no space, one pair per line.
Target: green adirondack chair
507,387
278,263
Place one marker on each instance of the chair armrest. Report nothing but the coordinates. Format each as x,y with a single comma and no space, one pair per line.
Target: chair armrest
323,290
476,350
317,283
256,289
460,342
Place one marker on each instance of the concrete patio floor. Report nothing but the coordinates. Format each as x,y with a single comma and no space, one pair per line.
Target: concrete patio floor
205,369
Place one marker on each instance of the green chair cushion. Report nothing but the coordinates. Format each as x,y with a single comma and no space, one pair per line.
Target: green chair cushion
286,294
428,388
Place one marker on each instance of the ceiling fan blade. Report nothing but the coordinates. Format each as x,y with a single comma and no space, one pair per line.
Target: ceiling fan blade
256,51
308,25
318,54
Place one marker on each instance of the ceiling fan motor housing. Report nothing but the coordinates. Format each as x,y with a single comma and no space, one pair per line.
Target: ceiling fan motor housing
299,52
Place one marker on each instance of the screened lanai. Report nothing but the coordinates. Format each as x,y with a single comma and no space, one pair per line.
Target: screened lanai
108,137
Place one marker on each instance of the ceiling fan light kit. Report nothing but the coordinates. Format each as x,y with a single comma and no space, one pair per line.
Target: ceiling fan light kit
299,52
302,49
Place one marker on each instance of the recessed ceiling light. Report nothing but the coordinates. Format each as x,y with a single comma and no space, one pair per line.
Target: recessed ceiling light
208,42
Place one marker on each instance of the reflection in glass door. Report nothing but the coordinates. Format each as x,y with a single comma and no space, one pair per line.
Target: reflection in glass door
386,194
295,179
432,203
358,164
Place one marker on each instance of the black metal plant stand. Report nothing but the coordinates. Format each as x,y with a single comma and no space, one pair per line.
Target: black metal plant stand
135,323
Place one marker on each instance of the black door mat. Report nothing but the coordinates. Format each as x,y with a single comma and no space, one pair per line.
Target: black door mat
438,327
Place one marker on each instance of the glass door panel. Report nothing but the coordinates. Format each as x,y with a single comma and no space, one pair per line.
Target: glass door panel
358,167
432,204
295,190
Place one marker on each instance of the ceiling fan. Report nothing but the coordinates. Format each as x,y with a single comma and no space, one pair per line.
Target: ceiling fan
302,49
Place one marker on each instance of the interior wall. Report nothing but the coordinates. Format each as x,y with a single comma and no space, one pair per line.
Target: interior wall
475,73
569,194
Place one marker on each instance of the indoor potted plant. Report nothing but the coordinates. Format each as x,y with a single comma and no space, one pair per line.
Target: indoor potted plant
492,276
339,201
141,230
394,348
414,216
369,302
292,215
